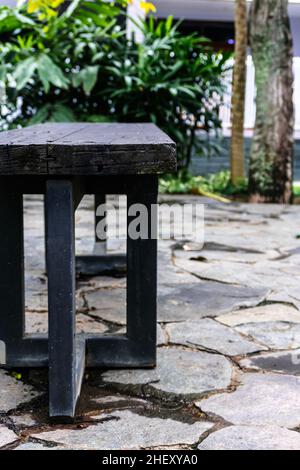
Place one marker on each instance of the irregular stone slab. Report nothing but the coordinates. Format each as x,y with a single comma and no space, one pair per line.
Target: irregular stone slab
86,324
101,282
160,334
38,446
209,334
178,302
108,304
275,335
265,210
286,362
35,280
14,392
252,438
180,372
36,322
209,256
162,339
269,273
264,313
286,294
37,301
123,430
251,239
267,399
172,275
168,273
221,271
23,420
212,247
124,401
34,252
7,436
192,302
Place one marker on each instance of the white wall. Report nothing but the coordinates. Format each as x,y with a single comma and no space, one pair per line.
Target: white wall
136,13
250,98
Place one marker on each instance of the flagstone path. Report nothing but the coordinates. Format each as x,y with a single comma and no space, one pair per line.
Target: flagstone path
228,370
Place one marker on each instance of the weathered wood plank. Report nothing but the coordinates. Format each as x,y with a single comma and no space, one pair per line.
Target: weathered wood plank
86,149
39,134
93,160
24,151
23,160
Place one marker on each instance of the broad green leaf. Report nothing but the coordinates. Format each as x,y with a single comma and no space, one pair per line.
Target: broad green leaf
100,8
8,23
128,80
71,8
187,91
98,56
96,19
174,69
49,72
24,19
169,23
87,77
90,75
24,72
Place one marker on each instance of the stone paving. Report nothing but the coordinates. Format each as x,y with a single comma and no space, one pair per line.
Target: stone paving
228,371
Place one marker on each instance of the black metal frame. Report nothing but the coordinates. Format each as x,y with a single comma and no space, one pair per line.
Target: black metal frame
65,352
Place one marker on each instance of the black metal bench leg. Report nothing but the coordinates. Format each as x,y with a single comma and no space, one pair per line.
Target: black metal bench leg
11,274
17,350
66,351
142,279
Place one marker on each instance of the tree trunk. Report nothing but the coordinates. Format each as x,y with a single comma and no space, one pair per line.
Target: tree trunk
271,163
238,92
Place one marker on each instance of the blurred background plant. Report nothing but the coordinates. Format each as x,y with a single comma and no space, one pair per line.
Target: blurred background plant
171,79
71,61
213,185
49,58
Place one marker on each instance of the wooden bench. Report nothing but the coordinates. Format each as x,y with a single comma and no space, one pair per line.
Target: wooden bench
64,162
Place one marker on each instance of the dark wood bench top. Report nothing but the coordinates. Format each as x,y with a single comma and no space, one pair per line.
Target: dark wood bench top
86,149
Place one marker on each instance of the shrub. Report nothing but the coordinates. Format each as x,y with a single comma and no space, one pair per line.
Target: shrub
214,184
173,80
50,62
79,65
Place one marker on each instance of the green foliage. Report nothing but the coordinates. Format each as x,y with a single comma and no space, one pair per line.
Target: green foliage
49,65
79,65
173,80
296,189
16,375
218,183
